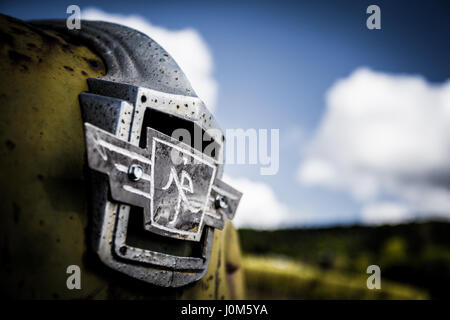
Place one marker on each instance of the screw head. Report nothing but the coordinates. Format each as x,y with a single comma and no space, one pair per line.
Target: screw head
135,172
220,203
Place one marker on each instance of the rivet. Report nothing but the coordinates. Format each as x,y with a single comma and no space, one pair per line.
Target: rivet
135,172
220,202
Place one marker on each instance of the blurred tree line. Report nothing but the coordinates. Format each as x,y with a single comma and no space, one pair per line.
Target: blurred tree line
415,254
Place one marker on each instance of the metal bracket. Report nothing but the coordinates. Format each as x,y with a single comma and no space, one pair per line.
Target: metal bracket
177,186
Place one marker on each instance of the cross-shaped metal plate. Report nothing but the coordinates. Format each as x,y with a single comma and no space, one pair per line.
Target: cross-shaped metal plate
172,181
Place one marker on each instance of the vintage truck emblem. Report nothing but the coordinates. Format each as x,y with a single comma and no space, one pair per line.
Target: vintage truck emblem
176,187
155,201
173,183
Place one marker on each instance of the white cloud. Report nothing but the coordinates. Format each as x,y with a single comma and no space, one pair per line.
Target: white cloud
259,207
383,136
385,212
186,46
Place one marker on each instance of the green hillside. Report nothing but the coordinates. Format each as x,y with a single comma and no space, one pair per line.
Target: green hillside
416,256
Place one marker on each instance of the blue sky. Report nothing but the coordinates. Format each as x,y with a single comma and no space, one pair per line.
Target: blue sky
275,61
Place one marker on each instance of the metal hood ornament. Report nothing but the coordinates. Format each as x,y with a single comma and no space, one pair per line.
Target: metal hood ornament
139,172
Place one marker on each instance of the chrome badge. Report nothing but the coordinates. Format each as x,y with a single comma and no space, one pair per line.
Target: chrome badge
169,179
170,188
154,201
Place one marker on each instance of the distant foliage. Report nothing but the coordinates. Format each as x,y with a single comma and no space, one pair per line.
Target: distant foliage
281,278
416,254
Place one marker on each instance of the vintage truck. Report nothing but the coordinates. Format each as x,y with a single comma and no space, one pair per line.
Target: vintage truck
94,205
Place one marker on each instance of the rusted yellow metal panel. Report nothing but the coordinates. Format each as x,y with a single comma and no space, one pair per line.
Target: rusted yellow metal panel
44,209
224,279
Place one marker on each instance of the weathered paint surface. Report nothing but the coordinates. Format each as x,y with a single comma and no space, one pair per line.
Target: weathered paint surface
44,218
224,279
